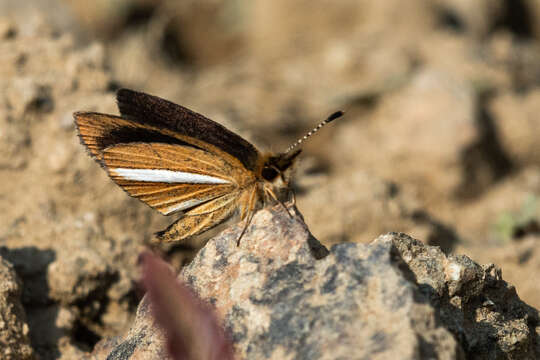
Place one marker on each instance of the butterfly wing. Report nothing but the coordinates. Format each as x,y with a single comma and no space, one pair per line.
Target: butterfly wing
167,177
201,218
167,171
99,131
152,110
172,159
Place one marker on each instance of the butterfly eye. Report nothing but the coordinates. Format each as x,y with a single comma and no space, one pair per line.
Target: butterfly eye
269,173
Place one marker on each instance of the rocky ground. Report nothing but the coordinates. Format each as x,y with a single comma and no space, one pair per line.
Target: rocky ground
439,141
281,294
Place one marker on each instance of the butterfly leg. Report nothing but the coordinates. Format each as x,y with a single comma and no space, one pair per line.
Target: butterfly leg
271,193
248,221
249,211
290,190
293,196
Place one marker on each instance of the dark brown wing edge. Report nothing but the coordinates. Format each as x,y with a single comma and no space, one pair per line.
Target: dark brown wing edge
98,131
149,109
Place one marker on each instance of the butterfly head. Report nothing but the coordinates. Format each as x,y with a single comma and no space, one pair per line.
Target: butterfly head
275,166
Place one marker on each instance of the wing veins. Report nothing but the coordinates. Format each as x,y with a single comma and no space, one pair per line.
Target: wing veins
157,191
185,197
226,203
189,157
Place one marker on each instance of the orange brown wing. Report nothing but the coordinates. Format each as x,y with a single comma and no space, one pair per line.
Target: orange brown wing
168,177
201,218
99,131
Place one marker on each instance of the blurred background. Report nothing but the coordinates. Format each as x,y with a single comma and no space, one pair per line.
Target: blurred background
440,137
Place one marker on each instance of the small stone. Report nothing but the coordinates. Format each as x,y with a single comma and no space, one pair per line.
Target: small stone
454,271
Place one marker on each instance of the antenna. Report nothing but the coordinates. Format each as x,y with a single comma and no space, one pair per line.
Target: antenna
330,118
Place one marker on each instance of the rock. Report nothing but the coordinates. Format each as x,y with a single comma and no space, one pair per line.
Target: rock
482,310
76,261
432,119
272,25
476,17
515,257
369,207
522,70
515,118
14,139
79,276
281,295
352,220
106,19
51,326
7,29
413,111
14,330
533,14
31,264
513,196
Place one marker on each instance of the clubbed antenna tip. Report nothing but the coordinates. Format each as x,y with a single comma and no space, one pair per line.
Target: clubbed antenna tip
330,118
334,116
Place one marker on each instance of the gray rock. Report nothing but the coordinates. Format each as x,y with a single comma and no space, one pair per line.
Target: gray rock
14,330
394,298
482,310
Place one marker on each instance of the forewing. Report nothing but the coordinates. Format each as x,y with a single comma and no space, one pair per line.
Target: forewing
169,177
100,131
148,109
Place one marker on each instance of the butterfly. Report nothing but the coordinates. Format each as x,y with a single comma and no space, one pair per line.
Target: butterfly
178,161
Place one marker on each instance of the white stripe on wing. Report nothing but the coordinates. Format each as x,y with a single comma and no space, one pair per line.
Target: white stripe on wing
168,176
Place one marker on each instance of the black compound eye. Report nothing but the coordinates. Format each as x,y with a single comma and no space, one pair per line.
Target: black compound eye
269,173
